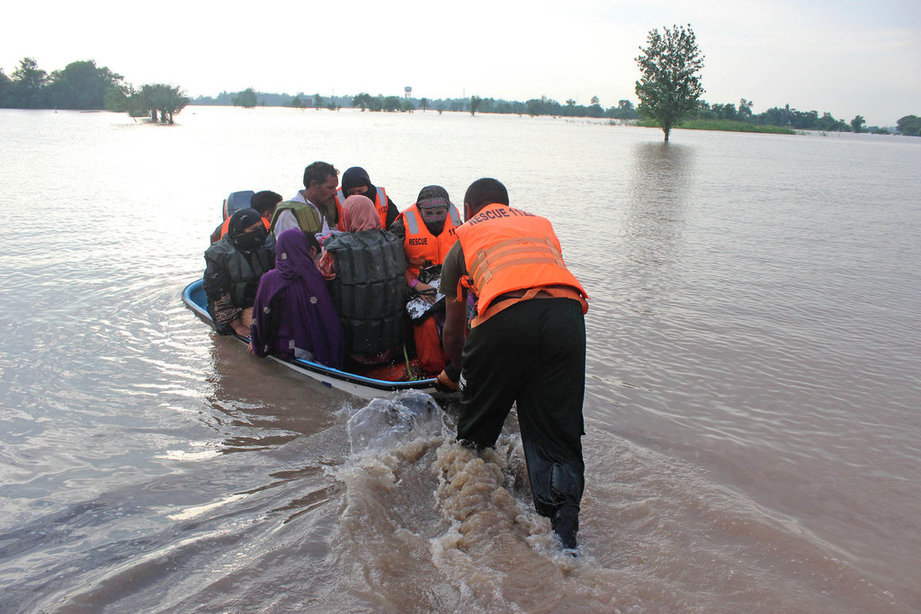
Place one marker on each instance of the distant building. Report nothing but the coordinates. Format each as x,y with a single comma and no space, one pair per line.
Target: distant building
408,92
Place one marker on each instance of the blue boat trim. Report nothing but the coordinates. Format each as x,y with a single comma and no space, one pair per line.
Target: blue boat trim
194,298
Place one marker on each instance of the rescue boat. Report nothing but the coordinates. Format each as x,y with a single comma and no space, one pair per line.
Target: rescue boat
352,383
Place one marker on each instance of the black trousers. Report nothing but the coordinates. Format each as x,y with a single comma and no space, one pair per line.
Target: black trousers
532,353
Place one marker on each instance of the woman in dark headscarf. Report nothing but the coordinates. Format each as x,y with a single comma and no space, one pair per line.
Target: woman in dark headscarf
233,268
294,315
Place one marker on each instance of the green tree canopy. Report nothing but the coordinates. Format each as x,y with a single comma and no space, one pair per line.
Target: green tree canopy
81,85
670,84
390,103
909,125
858,123
475,104
362,100
245,99
6,87
27,91
164,100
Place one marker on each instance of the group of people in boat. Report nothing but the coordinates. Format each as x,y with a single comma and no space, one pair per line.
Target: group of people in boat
326,276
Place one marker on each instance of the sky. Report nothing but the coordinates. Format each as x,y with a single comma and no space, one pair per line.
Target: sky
846,57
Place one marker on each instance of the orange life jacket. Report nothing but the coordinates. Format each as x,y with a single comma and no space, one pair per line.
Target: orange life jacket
381,204
509,251
421,246
226,225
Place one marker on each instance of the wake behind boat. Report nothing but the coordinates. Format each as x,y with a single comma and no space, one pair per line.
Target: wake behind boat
358,385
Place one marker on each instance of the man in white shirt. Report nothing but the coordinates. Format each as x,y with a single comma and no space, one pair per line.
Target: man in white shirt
312,209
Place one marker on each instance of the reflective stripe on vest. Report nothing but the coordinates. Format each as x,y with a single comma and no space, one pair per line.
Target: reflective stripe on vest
412,222
507,250
421,245
507,253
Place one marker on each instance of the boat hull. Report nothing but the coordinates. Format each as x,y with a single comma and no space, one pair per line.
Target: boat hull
357,385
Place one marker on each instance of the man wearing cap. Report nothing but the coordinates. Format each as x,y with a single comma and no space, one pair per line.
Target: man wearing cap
427,231
356,180
526,345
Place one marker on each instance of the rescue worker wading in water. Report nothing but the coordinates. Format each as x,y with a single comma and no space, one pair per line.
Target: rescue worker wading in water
526,345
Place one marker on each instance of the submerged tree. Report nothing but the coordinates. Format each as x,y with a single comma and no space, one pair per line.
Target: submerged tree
475,102
909,125
246,99
858,123
670,85
390,104
164,100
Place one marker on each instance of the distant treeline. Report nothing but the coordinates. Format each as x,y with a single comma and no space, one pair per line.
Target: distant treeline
474,104
711,116
83,85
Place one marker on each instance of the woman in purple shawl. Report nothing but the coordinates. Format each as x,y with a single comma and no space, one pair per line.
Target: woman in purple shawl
293,316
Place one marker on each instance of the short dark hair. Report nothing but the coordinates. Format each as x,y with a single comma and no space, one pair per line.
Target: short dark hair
312,241
265,201
485,191
318,171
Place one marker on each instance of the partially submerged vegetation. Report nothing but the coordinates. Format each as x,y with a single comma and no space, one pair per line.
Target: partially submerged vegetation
86,87
730,125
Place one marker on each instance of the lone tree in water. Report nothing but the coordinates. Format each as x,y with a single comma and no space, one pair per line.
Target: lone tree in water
246,99
475,102
163,99
670,85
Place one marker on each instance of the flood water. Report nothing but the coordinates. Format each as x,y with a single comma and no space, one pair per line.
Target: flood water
753,401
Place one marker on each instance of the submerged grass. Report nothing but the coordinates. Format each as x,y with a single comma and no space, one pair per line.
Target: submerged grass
727,125
732,126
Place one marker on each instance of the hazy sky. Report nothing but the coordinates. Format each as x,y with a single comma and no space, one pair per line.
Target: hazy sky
847,57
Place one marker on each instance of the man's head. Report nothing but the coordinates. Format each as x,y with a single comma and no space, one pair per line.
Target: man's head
433,202
483,192
264,202
320,181
355,180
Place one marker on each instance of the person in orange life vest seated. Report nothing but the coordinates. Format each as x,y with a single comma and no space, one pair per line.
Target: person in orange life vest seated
427,231
525,345
316,201
263,202
356,181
